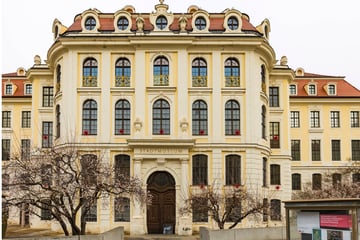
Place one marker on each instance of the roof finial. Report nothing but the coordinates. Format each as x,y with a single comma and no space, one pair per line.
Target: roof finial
161,1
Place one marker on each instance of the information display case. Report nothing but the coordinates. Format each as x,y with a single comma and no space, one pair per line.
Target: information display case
325,219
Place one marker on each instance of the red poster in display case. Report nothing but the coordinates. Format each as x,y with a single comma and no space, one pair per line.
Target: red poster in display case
335,221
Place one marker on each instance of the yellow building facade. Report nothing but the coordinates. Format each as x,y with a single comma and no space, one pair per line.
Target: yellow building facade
184,100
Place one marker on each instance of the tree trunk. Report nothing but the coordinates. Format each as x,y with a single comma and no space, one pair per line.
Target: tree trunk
74,228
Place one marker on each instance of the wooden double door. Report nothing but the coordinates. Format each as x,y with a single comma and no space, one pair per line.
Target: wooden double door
161,211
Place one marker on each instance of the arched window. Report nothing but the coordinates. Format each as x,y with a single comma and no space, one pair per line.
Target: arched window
122,117
57,121
161,71
58,78
200,169
199,118
232,118
122,72
233,170
90,72
232,73
161,117
263,122
199,73
89,117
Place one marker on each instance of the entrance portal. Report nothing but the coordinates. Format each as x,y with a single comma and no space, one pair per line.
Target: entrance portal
161,212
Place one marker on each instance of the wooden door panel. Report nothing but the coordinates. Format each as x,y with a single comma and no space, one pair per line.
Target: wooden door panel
161,211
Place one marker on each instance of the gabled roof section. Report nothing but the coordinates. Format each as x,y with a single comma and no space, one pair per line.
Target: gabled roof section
106,22
322,82
18,80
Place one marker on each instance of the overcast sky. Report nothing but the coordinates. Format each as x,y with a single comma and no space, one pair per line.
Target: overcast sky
321,36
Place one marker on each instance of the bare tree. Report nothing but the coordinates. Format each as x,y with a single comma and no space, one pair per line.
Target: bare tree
66,182
342,183
231,205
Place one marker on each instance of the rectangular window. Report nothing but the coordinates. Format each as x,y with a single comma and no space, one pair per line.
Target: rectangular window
274,134
314,119
295,119
233,170
335,119
315,150
28,89
122,209
265,210
312,90
47,134
48,94
356,177
355,119
6,119
355,150
316,181
46,209
331,89
200,209
275,174
296,181
233,206
5,145
26,119
274,96
275,210
265,172
199,169
8,89
91,212
295,149
335,150
25,149
292,89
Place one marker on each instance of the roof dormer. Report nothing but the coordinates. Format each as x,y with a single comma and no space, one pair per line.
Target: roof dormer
330,89
264,28
233,21
200,21
90,22
161,19
311,89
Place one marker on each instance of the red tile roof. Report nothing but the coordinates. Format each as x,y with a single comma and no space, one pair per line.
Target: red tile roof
107,23
17,81
343,88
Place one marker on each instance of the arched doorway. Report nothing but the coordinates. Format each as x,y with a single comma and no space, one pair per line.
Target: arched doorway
161,211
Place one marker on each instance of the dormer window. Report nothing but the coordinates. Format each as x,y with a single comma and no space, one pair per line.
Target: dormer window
28,89
200,23
312,89
90,23
123,23
292,89
331,89
8,89
233,23
161,22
